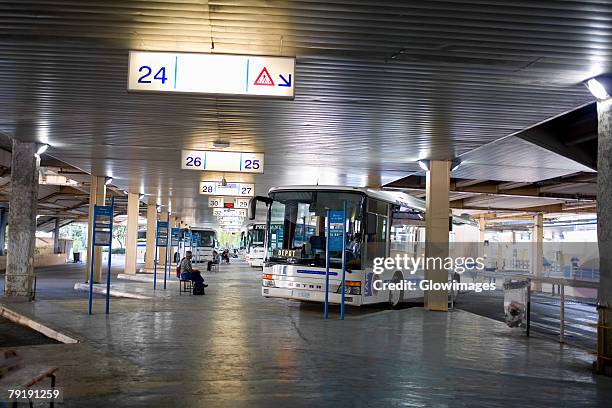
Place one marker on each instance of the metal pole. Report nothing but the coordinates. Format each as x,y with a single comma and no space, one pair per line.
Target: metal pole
91,262
528,307
326,264
168,238
343,282
110,252
562,316
155,260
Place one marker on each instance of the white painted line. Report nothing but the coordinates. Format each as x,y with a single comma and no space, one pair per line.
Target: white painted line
34,325
145,278
113,292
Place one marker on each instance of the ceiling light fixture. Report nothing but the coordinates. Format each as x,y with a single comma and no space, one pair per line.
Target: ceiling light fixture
424,164
42,148
600,87
108,181
221,144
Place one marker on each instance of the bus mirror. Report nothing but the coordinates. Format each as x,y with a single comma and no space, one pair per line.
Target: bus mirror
253,205
252,208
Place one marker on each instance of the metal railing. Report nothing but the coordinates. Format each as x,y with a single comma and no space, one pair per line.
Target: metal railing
558,291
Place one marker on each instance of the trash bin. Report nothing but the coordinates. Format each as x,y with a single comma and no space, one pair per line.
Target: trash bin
76,257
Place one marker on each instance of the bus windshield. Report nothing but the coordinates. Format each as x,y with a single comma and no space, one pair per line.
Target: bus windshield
297,227
257,235
207,238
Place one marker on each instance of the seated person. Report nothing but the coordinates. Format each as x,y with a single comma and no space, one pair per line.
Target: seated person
215,260
225,255
188,273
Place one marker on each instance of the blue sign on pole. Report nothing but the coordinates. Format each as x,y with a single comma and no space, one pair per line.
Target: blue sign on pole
161,240
343,281
327,219
175,236
336,227
162,233
102,236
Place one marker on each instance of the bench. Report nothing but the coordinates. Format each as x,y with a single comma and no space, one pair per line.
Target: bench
185,286
18,377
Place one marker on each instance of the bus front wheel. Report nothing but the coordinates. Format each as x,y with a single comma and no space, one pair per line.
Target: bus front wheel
396,296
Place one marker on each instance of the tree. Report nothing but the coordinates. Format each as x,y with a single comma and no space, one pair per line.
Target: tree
120,232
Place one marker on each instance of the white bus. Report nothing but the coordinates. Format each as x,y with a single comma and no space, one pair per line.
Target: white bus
203,242
295,263
255,248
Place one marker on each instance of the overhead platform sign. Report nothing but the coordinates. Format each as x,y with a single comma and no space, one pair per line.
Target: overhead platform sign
219,74
212,160
230,189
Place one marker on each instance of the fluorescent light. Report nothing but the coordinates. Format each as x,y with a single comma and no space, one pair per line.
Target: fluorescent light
108,181
423,165
42,148
221,144
597,89
140,197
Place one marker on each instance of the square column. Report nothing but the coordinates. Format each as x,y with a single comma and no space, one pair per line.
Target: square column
604,235
482,227
131,239
151,225
97,196
537,250
22,220
56,228
437,230
3,221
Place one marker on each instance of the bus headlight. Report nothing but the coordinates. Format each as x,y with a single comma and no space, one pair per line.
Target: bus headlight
267,280
352,287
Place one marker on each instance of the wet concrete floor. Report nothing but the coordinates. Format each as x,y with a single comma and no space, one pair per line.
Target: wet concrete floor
233,348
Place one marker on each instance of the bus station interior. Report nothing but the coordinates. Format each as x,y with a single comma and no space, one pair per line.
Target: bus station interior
476,110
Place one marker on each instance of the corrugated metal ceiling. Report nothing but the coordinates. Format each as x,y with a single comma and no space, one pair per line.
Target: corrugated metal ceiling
378,86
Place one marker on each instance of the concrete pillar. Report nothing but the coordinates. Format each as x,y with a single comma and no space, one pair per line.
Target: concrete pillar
161,251
151,225
537,250
131,239
3,220
437,230
482,226
604,234
97,196
56,228
22,220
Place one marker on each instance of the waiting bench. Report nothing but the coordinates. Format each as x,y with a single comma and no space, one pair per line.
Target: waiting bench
16,377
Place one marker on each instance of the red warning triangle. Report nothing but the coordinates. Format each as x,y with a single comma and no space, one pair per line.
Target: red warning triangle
264,78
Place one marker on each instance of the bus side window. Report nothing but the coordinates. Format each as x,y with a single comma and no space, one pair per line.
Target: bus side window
376,237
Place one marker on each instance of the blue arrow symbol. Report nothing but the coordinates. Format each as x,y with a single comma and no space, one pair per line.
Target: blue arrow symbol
287,83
